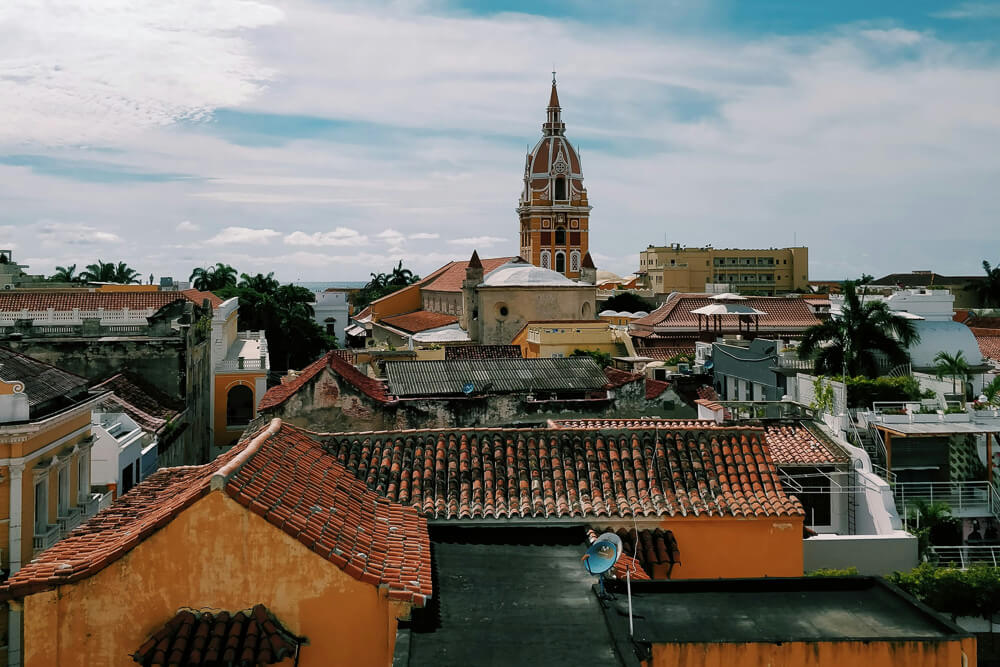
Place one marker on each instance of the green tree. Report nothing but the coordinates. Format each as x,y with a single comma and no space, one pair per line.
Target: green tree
992,391
603,359
933,525
988,289
401,277
855,340
65,274
109,272
954,366
214,277
628,302
382,284
260,283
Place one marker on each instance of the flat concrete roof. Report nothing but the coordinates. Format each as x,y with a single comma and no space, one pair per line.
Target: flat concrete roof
803,609
941,428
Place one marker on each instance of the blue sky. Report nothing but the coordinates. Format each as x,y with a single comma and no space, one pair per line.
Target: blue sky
325,140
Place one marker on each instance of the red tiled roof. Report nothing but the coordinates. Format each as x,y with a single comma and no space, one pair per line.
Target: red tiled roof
336,361
797,445
655,387
85,300
619,378
782,313
709,404
664,352
450,276
278,473
198,297
418,320
543,473
989,342
482,352
645,423
198,637
366,312
146,405
707,392
626,565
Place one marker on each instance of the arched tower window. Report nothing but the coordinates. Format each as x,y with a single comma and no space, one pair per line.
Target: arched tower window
561,262
574,260
239,405
545,259
560,236
560,188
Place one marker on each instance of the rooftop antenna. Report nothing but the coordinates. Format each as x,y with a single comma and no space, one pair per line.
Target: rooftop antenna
601,557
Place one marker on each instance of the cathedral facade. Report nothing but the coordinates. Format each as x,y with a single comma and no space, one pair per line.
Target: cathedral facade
553,208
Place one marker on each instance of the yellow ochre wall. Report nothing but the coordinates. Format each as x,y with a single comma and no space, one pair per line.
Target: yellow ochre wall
223,383
215,554
713,547
817,654
401,301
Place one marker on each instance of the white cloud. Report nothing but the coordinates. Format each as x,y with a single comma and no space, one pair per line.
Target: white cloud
78,72
481,241
242,235
188,226
64,233
970,10
424,236
392,237
341,236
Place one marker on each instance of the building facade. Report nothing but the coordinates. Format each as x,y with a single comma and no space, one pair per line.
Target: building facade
553,209
677,268
240,362
332,312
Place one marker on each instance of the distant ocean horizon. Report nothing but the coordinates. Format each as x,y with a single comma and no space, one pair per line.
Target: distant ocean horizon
342,284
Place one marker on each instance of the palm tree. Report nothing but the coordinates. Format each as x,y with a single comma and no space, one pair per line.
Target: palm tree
214,277
126,275
401,276
259,283
101,272
65,274
954,366
988,289
992,391
378,281
864,332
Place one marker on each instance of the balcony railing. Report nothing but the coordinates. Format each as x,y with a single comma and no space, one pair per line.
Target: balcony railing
965,557
94,503
964,498
69,521
43,540
241,364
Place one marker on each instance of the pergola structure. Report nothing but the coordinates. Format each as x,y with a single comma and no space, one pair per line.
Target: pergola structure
941,429
710,317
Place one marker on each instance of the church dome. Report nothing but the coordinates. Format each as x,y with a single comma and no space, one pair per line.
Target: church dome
607,276
519,274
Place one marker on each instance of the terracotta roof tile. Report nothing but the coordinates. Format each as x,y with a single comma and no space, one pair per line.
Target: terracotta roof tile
482,352
781,314
989,342
146,405
336,361
86,300
418,320
798,445
619,378
543,473
198,637
665,352
284,476
449,277
631,423
626,565
707,392
655,387
198,296
650,547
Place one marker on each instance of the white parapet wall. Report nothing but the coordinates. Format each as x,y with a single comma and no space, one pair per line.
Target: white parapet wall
870,554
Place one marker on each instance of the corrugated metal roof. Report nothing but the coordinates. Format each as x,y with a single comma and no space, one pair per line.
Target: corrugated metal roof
430,378
42,382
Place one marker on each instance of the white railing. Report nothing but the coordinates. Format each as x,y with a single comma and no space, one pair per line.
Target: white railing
69,521
959,496
241,364
104,500
42,541
965,557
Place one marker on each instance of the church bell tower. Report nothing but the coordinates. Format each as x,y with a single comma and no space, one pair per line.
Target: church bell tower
553,208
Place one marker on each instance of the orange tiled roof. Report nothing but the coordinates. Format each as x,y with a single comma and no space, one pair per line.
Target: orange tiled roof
146,405
199,637
85,300
418,320
278,473
989,342
631,423
782,313
797,445
619,378
655,387
450,276
549,473
336,361
707,392
199,296
664,352
651,547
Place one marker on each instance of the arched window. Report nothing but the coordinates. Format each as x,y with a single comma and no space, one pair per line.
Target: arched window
239,405
560,189
561,262
574,260
560,236
545,260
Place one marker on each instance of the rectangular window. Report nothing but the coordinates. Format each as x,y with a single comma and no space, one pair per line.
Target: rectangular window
41,506
62,507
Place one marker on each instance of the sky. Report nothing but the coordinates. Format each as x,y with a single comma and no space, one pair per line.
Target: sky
326,140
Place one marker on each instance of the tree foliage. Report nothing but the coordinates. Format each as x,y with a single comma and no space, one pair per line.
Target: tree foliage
109,272
629,303
603,359
65,274
972,592
865,330
382,284
863,391
988,289
213,277
954,366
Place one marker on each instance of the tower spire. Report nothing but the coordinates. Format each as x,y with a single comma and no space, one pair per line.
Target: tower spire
553,122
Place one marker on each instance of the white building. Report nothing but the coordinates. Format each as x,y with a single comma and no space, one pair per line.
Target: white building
123,453
331,312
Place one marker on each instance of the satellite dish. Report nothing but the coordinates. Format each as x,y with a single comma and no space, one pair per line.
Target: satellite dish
603,554
468,388
709,365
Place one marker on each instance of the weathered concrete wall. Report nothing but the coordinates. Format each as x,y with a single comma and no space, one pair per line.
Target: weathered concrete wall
525,305
328,403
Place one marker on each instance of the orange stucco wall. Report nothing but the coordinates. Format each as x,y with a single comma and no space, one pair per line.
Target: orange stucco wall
224,436
819,654
215,554
405,300
713,547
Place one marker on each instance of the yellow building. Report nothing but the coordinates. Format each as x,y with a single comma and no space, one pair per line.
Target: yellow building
560,338
676,268
239,373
